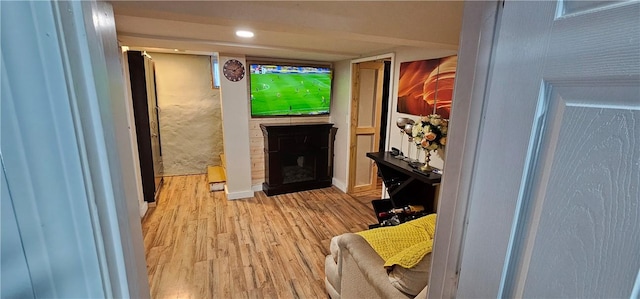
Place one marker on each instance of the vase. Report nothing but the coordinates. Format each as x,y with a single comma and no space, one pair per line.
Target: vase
427,156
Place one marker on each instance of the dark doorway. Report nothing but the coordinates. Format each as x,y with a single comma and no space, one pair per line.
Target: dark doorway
385,105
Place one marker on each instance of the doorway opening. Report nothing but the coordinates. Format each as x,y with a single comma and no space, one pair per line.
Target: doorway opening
371,86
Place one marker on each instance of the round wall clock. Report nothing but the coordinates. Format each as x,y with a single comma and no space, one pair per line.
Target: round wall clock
233,70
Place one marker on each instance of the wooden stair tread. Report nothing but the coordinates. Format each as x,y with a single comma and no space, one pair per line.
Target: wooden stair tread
215,174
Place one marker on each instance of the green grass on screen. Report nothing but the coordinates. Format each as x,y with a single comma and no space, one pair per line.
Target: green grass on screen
290,94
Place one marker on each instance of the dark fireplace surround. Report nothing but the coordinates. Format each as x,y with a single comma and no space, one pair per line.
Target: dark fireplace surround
297,156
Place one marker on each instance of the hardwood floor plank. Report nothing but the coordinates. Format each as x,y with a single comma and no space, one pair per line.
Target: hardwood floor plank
222,245
155,279
164,229
201,240
154,254
198,244
201,280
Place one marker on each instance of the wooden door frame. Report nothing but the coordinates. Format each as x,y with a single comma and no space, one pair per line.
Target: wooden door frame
353,105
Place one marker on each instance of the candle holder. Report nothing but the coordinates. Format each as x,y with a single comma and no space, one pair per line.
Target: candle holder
408,128
401,122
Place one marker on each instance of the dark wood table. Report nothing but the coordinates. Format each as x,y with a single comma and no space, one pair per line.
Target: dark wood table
405,185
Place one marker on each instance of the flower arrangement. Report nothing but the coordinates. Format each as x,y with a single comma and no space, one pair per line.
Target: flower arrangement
430,132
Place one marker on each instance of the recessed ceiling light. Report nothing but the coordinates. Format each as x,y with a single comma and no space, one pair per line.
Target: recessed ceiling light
244,33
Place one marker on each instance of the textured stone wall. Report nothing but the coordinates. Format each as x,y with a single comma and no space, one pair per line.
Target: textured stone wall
190,113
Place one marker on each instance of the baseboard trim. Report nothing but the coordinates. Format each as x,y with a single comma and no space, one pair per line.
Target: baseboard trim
256,188
237,195
143,209
339,184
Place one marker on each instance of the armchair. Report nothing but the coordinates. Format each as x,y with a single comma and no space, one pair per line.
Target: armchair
355,270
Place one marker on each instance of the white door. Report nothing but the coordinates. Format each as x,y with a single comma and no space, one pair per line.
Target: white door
555,203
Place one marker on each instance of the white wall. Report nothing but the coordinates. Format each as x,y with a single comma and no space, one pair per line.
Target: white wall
190,113
236,120
235,125
340,102
192,126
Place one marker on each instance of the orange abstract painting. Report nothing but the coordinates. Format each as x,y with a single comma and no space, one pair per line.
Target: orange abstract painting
426,86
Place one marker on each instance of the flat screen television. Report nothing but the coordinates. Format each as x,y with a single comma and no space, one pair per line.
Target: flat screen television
289,90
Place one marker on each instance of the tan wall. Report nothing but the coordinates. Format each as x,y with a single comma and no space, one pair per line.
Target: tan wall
256,142
190,113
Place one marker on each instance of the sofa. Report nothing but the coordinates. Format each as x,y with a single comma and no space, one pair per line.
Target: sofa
354,269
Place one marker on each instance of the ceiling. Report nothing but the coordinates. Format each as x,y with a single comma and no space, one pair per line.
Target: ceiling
305,30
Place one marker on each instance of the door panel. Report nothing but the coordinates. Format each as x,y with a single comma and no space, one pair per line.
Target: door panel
579,202
367,107
554,205
365,124
364,167
579,6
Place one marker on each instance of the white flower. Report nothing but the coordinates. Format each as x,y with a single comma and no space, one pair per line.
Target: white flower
417,130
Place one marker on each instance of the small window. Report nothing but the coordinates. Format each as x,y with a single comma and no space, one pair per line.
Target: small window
215,72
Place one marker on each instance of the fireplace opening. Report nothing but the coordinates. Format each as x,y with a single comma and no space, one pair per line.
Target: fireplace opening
298,168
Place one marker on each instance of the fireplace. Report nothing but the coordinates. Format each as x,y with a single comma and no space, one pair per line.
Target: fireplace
297,157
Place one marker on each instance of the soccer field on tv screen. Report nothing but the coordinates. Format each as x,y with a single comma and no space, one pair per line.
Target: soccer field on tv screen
274,94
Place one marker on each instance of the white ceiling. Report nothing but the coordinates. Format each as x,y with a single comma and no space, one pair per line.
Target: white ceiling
307,30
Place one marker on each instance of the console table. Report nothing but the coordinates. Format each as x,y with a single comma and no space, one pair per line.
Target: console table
297,156
405,185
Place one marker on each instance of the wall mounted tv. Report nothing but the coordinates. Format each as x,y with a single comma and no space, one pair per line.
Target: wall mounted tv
289,90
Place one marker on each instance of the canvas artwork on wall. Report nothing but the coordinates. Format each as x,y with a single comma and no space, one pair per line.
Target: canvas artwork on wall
426,86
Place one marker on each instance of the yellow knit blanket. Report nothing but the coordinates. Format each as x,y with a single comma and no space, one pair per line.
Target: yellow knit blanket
405,244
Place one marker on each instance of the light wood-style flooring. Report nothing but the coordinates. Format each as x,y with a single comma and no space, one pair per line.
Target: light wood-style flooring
198,244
